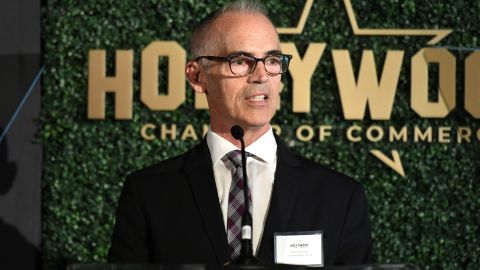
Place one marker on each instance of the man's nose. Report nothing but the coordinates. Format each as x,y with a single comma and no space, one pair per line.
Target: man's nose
259,75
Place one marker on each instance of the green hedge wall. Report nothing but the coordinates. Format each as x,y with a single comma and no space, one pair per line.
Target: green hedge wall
430,218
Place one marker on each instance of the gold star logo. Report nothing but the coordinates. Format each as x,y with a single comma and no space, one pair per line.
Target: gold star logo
395,162
438,34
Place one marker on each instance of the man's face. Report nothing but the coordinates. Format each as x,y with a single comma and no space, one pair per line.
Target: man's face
249,101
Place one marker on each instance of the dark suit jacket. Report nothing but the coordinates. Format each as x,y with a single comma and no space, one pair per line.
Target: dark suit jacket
169,213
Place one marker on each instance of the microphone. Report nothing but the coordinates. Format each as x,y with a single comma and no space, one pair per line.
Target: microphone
237,133
246,254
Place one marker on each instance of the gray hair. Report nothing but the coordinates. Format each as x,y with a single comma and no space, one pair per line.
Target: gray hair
203,42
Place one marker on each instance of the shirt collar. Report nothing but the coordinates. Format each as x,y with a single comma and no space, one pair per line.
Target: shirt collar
264,148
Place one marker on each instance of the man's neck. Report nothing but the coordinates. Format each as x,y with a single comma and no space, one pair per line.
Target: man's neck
250,135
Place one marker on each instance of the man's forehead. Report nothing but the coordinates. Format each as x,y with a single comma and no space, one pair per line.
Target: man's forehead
246,33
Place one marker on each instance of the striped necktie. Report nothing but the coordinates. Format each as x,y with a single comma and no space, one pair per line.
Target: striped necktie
236,205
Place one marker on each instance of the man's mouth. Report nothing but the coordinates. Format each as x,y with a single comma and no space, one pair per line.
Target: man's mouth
258,98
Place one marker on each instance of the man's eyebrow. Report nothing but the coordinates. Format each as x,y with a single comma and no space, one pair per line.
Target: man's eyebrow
274,52
250,54
239,53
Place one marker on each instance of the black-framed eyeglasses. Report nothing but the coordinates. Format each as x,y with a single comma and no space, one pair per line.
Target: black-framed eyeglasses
242,65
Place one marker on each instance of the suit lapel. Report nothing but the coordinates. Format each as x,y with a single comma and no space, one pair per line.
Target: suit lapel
199,172
285,191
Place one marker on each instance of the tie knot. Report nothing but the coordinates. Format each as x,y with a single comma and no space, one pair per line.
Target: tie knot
235,157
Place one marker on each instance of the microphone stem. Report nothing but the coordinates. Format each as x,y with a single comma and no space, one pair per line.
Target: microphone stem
246,257
245,179
247,249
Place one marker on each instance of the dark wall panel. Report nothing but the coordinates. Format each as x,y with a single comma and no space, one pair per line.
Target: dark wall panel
20,156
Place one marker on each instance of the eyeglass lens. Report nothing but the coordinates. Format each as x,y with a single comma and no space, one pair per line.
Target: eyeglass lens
244,65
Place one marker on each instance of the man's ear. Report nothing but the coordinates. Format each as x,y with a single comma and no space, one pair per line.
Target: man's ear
196,77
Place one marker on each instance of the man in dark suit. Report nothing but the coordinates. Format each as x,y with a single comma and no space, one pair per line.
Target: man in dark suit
179,210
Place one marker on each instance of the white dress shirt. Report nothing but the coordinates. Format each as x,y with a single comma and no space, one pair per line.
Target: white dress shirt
260,172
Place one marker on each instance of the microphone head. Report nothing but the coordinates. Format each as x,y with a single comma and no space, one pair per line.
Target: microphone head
237,132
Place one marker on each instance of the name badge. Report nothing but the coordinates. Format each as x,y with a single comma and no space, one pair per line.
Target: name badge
299,248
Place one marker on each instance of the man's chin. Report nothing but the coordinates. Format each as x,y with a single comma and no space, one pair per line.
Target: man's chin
256,126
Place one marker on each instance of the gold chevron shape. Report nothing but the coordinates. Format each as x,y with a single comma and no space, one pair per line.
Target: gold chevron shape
395,163
438,34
